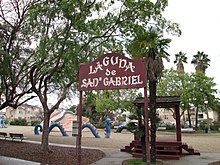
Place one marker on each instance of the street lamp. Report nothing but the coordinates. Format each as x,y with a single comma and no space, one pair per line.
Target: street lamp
208,125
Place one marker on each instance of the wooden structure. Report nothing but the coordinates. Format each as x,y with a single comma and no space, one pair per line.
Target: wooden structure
165,148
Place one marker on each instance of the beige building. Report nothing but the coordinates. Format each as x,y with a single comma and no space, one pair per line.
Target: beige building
212,115
166,115
25,111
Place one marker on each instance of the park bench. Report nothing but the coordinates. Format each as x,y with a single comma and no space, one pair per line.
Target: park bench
4,135
17,136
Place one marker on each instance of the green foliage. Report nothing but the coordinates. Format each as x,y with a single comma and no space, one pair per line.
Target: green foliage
7,121
215,126
136,123
67,34
216,107
99,105
140,162
35,122
170,126
150,45
136,162
15,53
73,109
173,84
100,125
19,121
115,100
192,88
201,88
201,61
180,58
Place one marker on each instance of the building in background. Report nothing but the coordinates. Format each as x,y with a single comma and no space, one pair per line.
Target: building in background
202,116
166,116
25,111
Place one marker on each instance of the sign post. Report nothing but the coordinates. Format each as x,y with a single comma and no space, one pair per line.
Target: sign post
108,72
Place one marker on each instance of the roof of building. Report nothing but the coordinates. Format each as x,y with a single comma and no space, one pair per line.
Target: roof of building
161,101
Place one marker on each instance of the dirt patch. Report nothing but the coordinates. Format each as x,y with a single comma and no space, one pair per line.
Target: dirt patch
59,155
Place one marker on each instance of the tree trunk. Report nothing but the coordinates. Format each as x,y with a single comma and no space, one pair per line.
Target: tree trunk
197,112
152,88
45,134
189,118
141,128
184,119
180,67
143,144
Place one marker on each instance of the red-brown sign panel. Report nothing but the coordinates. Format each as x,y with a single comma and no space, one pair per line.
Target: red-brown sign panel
112,71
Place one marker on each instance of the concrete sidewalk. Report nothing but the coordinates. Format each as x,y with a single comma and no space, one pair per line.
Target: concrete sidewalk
12,161
114,159
203,159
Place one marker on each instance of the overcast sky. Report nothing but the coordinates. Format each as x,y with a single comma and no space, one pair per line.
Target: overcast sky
200,24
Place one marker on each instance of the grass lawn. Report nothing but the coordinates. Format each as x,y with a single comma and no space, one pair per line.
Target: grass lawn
140,162
198,131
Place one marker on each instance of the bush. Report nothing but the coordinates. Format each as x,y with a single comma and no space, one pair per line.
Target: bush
100,125
7,121
170,126
19,121
35,122
203,125
215,126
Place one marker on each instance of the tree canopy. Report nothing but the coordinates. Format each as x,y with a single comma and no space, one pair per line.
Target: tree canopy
193,88
15,54
180,58
201,61
52,38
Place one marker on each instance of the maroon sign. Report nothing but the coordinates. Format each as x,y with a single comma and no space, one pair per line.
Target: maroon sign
112,71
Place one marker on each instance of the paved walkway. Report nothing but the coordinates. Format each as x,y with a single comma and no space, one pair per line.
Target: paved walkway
203,159
114,159
12,161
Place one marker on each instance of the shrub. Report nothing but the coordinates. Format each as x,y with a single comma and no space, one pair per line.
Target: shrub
203,125
170,126
7,121
35,122
19,121
100,125
215,126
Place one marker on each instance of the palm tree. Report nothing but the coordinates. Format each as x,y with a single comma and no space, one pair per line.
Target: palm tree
180,59
201,61
151,46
